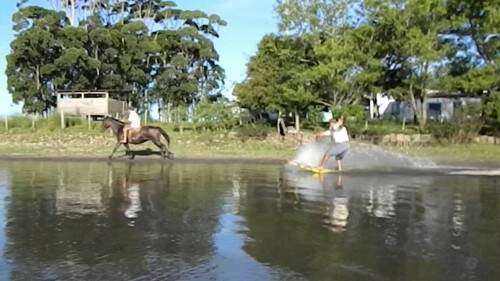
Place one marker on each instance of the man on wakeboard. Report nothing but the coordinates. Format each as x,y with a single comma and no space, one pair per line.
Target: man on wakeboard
340,142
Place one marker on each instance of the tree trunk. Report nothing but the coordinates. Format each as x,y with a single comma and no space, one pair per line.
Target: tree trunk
424,113
416,108
160,117
38,84
96,54
297,120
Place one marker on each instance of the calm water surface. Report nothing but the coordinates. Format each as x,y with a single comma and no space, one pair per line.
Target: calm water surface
147,221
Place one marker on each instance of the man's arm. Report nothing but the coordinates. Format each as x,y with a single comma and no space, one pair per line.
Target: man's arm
323,134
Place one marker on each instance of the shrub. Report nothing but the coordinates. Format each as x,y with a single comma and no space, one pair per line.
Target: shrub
464,128
352,113
314,119
19,122
216,115
379,128
492,114
258,131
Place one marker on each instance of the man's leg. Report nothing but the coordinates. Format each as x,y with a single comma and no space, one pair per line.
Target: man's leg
328,154
324,160
125,134
339,165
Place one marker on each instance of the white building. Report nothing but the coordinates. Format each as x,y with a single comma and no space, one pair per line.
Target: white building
439,106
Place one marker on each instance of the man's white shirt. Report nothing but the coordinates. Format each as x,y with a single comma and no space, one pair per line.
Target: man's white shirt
134,119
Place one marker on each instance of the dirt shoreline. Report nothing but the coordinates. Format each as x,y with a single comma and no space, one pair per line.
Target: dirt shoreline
149,159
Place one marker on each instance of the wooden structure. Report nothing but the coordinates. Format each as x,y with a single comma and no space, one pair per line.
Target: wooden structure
90,104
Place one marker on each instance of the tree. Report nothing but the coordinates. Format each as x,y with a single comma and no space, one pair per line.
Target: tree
409,33
31,68
144,51
315,16
474,40
345,67
329,59
275,77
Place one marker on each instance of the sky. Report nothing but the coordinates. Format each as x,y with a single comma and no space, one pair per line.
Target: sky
247,22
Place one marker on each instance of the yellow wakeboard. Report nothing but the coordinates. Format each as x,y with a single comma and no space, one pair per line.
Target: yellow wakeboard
316,170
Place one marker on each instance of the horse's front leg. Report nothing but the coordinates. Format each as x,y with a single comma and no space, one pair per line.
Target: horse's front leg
129,152
114,149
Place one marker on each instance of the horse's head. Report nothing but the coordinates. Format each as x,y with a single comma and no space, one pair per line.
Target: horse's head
110,122
107,122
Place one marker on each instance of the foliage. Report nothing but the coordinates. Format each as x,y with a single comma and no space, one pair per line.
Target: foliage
352,48
52,123
145,51
351,113
315,16
492,107
314,119
275,71
467,126
492,113
258,131
216,115
379,128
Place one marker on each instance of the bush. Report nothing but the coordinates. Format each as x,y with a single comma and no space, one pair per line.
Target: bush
465,127
215,115
352,113
258,131
314,119
492,114
19,122
380,128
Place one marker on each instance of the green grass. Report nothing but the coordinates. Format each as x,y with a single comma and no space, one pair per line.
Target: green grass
47,139
458,153
95,143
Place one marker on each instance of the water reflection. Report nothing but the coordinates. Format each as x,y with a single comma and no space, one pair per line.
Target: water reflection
77,223
92,221
132,199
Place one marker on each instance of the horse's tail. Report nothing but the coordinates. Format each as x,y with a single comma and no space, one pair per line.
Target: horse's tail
165,135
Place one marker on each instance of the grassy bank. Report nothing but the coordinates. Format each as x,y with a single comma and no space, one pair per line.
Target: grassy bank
46,139
96,144
458,153
207,145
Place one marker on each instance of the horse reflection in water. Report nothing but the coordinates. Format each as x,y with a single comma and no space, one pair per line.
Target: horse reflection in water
130,193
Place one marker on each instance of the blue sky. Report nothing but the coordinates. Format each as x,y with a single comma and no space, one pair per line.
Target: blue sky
248,21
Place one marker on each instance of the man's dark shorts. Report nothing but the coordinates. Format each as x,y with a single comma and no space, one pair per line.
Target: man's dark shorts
338,150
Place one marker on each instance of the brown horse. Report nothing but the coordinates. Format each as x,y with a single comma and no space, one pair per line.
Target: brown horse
147,133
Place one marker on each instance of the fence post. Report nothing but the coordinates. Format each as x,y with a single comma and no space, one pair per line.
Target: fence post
63,124
89,122
6,121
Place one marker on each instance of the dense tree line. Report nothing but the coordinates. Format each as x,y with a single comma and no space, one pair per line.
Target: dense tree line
336,52
144,51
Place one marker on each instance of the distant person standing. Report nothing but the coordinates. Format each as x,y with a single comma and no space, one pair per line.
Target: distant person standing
281,128
133,124
340,142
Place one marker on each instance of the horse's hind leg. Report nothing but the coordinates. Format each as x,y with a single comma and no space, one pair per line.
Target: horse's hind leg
162,147
166,152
